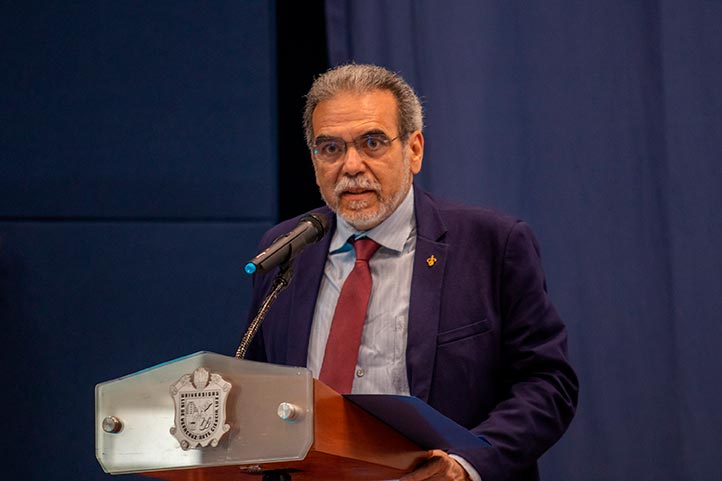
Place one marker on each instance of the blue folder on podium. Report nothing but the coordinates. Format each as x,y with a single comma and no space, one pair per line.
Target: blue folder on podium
418,421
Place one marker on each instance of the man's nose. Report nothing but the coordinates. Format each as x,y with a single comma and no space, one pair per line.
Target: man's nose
353,161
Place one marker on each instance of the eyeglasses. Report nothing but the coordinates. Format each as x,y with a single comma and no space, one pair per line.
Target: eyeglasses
331,149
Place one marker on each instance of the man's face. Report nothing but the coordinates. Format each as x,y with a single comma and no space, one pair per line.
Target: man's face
362,189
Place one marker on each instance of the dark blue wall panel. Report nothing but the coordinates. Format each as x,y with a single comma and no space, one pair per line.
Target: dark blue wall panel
152,109
137,173
84,302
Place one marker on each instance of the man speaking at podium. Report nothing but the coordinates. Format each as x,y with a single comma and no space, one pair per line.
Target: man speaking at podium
409,294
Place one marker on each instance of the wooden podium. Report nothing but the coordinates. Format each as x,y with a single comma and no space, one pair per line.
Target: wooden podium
276,418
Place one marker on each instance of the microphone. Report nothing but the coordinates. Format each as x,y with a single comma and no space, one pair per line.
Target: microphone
310,229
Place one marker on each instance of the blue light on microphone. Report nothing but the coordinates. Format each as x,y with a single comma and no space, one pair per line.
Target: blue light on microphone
250,268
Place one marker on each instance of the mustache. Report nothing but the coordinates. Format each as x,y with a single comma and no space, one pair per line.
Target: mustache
348,183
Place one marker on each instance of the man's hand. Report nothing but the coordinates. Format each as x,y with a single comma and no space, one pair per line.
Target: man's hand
440,466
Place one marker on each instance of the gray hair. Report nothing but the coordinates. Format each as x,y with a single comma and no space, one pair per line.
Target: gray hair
359,78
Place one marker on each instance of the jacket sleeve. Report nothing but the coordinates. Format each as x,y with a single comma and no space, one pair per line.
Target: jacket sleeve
538,387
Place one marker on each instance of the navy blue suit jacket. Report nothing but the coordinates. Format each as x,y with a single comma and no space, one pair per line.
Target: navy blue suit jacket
485,345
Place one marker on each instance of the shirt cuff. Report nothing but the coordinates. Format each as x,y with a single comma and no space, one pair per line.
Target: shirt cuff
473,474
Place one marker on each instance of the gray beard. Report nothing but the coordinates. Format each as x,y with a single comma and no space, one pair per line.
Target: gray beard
366,220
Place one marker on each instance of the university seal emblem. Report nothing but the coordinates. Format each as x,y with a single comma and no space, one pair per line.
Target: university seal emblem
200,409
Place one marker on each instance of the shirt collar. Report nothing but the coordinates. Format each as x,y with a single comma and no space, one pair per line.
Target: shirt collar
391,233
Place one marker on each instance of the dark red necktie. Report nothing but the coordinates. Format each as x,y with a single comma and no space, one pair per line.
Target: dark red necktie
344,339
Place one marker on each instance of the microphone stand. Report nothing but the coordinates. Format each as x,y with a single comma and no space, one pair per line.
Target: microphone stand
280,282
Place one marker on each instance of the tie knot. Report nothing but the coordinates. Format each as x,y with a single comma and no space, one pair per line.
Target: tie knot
365,248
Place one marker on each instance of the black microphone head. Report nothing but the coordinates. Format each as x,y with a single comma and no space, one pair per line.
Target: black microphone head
319,221
310,229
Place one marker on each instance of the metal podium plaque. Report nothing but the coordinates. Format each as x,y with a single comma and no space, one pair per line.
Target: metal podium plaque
203,410
200,409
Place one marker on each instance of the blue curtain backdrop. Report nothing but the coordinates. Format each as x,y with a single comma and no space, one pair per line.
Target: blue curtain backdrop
601,124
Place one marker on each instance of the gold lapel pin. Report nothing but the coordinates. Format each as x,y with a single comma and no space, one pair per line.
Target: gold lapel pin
431,261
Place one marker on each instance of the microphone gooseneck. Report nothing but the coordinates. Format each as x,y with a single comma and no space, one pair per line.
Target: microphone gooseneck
310,229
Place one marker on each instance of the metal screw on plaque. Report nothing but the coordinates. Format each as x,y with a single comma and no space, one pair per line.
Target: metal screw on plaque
288,412
112,425
252,469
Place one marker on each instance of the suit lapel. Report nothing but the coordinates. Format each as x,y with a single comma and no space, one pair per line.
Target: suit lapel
425,301
308,271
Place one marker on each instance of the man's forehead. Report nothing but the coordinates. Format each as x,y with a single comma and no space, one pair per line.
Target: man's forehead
358,112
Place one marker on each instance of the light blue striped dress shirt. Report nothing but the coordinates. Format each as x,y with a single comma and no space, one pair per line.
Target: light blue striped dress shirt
381,365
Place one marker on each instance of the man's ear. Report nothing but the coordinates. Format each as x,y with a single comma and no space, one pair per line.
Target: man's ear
415,144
